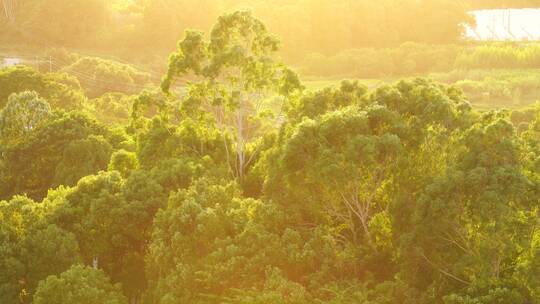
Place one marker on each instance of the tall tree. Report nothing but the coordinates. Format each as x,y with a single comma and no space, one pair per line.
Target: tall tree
473,222
342,161
236,72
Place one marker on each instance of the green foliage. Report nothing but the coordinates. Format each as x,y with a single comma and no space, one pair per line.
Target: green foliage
245,188
23,113
244,244
124,162
500,56
312,105
110,218
60,90
238,72
79,284
341,145
99,76
407,59
31,248
113,108
65,148
93,151
502,87
162,141
484,188
418,59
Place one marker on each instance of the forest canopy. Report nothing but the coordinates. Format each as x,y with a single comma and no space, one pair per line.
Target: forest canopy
227,180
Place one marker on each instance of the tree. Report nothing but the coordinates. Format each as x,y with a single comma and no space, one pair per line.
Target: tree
111,220
113,108
31,249
23,113
239,250
51,155
342,160
124,162
60,90
79,284
100,76
531,138
237,73
189,139
49,250
314,104
472,223
82,157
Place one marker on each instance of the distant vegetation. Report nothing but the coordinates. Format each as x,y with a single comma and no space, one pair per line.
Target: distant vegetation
480,4
502,88
144,29
416,59
503,56
60,90
99,76
496,74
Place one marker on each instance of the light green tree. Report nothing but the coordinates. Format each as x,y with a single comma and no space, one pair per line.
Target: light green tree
79,284
237,72
59,89
23,113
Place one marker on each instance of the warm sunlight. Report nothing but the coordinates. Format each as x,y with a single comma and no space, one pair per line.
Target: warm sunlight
269,152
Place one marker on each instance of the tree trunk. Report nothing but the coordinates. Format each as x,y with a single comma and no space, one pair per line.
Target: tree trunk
240,144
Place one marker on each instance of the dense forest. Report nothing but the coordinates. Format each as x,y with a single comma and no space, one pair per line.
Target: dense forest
228,179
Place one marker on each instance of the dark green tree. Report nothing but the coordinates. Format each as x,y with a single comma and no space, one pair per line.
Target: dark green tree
31,249
53,154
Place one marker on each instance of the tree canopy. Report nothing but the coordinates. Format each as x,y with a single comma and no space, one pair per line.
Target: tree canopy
233,183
